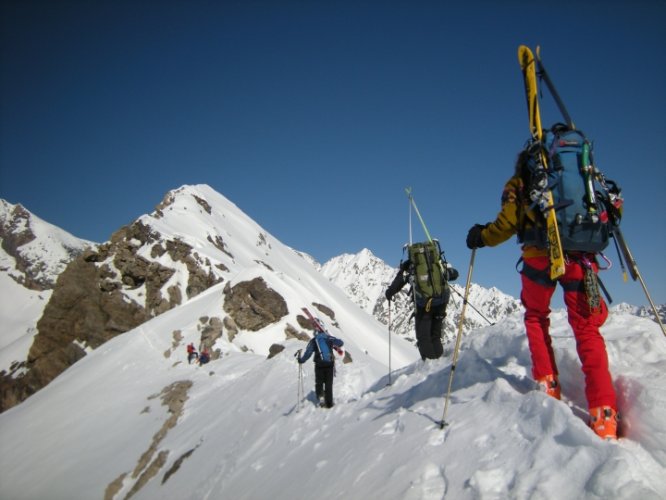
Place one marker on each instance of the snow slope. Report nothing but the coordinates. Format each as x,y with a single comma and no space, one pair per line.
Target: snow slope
20,309
242,434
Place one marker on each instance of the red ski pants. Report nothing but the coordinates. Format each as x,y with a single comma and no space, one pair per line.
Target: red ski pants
537,290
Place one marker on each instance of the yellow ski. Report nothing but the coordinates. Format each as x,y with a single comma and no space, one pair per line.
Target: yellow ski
528,67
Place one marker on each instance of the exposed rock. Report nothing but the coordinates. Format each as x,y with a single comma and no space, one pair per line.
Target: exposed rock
80,313
206,206
274,350
304,322
292,333
211,331
253,305
325,310
173,397
218,242
105,292
179,461
230,327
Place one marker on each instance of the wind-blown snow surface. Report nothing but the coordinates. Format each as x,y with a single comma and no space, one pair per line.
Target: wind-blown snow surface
242,435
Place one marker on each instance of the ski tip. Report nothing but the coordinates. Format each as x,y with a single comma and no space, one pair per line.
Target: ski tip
525,56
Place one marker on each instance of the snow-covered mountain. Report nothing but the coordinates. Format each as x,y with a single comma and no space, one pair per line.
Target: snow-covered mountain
642,311
194,240
33,253
131,418
365,278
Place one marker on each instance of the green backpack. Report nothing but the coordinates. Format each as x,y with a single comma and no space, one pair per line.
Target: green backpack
428,281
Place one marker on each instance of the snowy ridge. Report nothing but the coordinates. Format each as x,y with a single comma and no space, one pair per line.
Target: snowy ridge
241,434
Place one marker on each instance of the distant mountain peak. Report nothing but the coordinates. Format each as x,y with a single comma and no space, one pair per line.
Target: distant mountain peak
34,252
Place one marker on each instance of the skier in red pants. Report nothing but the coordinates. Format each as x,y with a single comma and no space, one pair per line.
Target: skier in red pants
585,315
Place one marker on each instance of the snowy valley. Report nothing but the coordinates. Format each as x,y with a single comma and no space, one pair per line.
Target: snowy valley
132,419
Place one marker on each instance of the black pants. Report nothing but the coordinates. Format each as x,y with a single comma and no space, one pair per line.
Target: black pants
429,331
324,382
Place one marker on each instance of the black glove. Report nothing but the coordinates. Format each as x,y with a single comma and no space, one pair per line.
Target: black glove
388,295
453,274
474,237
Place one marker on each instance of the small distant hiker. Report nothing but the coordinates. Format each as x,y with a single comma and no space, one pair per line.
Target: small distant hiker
428,275
204,357
192,354
322,346
586,309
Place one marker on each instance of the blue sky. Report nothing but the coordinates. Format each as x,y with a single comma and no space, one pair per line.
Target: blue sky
313,117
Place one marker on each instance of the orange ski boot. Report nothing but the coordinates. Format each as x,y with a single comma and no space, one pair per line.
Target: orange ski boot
550,386
603,421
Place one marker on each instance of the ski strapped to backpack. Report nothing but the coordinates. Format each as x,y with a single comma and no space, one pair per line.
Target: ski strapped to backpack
324,349
545,202
428,275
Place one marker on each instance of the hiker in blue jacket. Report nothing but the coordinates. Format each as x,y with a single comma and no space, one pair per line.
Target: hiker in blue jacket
322,346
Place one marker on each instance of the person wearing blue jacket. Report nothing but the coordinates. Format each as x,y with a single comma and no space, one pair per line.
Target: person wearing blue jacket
322,346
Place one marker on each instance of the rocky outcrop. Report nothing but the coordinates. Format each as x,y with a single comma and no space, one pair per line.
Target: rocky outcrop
211,330
151,461
253,305
80,314
105,292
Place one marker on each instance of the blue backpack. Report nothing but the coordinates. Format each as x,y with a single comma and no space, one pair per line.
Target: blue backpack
323,348
581,196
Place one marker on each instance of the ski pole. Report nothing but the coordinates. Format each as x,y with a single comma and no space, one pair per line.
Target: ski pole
409,196
299,388
472,306
619,256
458,338
553,91
389,342
416,209
636,274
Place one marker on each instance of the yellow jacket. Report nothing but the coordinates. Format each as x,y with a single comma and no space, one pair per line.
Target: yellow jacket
514,217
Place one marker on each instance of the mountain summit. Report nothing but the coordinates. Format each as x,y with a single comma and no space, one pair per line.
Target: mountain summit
194,240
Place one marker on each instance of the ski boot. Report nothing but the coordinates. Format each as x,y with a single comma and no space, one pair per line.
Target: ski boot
603,421
550,385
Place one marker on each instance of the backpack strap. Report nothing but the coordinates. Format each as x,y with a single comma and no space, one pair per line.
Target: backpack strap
432,283
540,276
